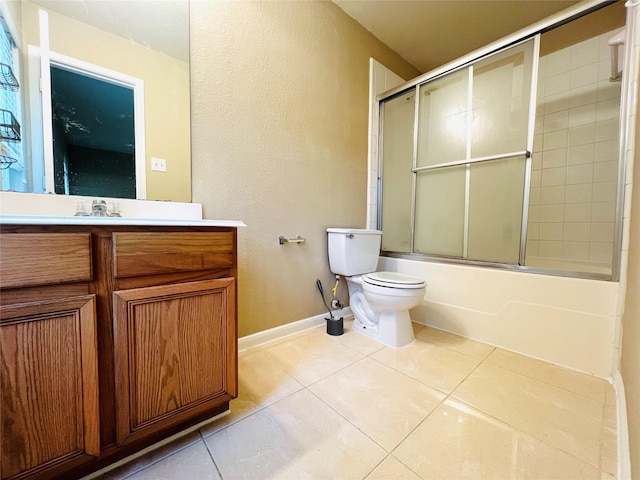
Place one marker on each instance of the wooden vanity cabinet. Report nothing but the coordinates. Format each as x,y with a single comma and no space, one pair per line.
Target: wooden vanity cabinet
112,338
48,355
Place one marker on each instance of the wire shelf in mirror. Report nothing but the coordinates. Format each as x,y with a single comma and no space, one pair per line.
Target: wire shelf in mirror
6,161
9,126
8,80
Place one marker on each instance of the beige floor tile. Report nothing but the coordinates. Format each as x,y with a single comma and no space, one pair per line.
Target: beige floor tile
311,357
297,437
560,418
576,382
430,364
456,342
457,442
384,403
260,383
187,464
152,457
392,469
609,436
351,339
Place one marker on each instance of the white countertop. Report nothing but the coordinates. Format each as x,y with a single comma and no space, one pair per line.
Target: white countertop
60,220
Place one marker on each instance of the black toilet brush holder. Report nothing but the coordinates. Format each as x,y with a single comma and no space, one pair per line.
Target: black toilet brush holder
335,326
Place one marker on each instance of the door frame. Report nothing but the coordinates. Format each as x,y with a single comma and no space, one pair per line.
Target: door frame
110,76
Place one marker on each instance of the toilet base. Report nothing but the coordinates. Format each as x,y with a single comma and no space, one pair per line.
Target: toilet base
393,329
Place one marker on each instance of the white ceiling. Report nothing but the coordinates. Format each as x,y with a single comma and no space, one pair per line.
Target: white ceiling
431,33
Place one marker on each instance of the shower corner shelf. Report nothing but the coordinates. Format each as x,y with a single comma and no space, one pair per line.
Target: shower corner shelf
8,80
9,127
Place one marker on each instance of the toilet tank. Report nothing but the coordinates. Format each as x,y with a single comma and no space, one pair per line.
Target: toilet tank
353,251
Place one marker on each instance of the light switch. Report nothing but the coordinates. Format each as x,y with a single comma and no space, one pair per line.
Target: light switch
158,164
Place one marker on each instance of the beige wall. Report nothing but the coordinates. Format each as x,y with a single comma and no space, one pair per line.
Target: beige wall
166,91
279,129
630,361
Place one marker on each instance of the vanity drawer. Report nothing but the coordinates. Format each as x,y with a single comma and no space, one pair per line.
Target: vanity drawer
138,254
33,259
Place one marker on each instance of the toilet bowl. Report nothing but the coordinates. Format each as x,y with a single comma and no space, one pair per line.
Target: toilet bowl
381,308
380,301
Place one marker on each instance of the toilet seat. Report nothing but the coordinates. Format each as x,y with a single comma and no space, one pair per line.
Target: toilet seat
393,280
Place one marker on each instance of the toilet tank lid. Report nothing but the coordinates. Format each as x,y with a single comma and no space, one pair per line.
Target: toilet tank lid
359,231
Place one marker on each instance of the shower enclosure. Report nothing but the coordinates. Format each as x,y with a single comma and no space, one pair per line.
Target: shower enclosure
509,160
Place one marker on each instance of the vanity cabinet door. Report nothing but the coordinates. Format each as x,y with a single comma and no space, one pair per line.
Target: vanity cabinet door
48,387
175,354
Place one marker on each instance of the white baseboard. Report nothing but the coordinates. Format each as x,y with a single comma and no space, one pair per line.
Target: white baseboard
622,427
277,333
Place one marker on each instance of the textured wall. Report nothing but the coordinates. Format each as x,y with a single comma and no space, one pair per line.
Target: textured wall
279,98
630,358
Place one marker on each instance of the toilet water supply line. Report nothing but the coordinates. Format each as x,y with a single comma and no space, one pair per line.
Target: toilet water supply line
335,303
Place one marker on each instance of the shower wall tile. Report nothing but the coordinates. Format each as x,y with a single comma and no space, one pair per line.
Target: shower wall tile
537,143
557,139
579,173
605,171
581,154
602,232
582,96
583,53
536,178
554,103
552,194
576,232
553,176
556,62
551,231
557,83
556,121
552,213
574,166
607,89
532,248
583,115
604,191
581,193
600,252
549,249
602,211
584,75
577,212
534,196
607,130
554,158
607,150
577,251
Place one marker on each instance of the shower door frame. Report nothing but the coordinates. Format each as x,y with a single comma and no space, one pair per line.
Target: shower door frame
521,36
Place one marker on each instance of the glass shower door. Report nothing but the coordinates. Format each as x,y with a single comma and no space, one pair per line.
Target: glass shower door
472,149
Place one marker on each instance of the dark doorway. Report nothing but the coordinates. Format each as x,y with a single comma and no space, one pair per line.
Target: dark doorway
93,135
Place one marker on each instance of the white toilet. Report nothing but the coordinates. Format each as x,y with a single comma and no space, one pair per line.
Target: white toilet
380,301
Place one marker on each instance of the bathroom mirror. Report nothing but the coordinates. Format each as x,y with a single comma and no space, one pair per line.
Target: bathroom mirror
96,55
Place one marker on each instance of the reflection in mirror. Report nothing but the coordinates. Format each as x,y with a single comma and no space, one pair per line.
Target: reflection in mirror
96,53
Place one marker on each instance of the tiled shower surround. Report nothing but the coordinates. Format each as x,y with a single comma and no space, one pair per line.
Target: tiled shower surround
575,158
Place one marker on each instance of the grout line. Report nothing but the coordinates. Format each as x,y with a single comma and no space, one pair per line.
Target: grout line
210,455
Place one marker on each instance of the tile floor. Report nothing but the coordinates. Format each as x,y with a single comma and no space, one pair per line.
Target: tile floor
316,406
